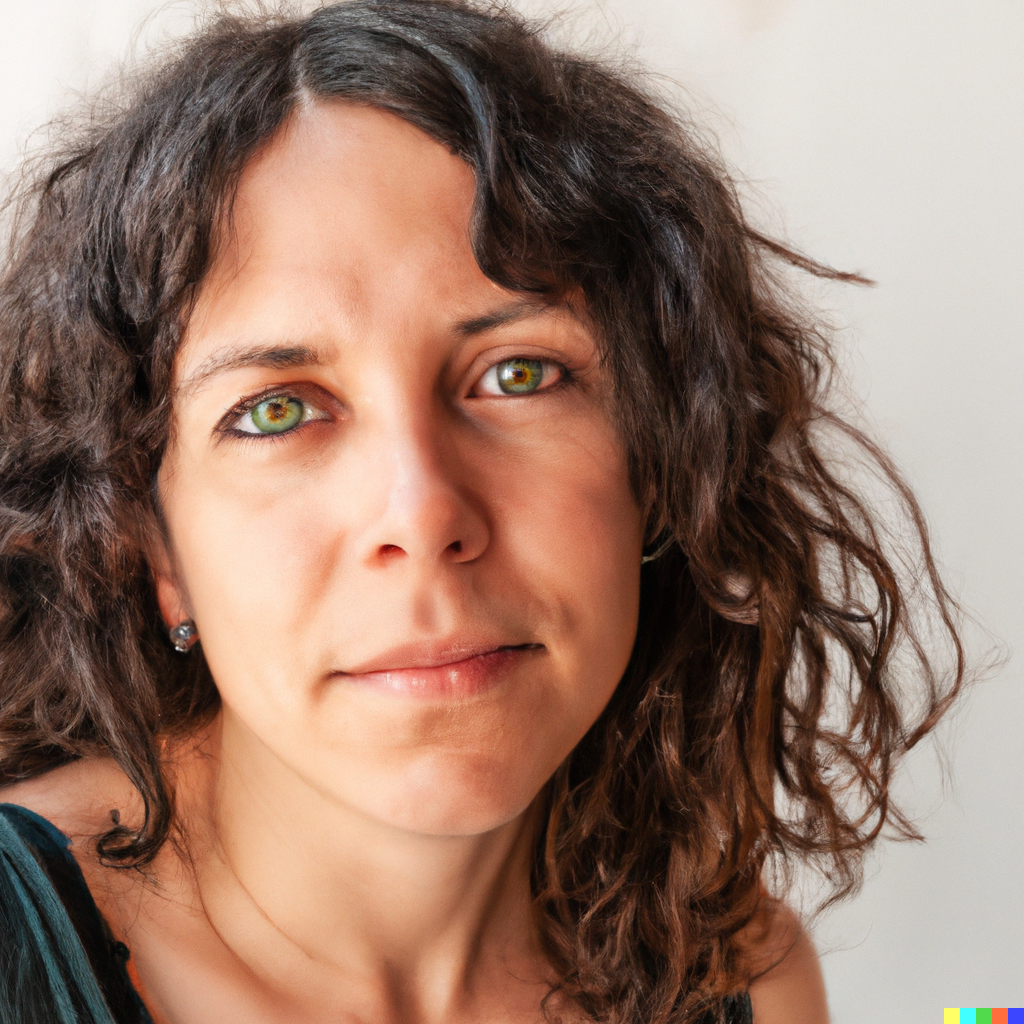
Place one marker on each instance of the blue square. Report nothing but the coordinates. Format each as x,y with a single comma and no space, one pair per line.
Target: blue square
1016,1015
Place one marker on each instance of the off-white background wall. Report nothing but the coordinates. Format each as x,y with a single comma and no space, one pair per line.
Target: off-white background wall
878,136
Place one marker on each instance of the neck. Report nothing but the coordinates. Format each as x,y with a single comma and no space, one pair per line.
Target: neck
291,878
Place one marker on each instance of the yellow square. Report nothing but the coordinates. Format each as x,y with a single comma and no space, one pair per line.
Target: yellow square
951,1015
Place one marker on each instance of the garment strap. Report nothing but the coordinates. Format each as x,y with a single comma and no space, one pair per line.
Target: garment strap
738,1009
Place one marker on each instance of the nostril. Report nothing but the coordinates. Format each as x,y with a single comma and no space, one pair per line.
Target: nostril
389,550
456,546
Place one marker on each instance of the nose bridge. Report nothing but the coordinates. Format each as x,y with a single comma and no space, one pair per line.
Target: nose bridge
425,511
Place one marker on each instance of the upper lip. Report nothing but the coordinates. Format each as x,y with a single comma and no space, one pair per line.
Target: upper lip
430,654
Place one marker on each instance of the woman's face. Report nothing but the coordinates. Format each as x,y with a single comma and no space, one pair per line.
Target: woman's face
398,507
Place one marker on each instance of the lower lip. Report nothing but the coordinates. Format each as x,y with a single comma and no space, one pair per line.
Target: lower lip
457,679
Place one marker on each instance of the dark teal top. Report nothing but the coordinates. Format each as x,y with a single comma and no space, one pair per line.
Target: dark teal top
59,963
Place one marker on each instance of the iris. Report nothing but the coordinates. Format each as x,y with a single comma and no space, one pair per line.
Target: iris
278,414
520,376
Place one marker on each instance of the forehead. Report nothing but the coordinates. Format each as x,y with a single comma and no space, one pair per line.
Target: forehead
346,213
335,164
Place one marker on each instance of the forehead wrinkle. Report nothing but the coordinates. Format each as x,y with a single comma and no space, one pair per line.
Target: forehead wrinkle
273,357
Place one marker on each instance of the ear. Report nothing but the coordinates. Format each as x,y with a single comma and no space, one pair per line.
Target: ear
171,597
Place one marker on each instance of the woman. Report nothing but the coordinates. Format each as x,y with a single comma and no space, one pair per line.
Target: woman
424,594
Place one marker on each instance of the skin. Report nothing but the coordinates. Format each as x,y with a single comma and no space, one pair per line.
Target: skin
359,829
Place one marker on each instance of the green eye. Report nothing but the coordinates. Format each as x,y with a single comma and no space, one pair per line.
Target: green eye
276,415
520,376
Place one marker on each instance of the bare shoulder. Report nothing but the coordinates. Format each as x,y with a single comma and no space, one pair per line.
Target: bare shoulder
788,986
77,798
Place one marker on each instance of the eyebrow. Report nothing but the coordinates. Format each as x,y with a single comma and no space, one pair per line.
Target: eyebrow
274,357
520,310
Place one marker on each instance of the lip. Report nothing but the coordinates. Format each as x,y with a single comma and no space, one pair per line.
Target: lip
447,671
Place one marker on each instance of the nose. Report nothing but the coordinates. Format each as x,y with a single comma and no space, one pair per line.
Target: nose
427,510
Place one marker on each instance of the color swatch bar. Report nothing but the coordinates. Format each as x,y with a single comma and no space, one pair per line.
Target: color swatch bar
983,1015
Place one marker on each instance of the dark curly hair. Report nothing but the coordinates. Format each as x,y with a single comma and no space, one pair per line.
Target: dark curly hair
765,705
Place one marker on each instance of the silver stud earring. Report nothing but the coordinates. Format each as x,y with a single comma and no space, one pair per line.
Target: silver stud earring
184,636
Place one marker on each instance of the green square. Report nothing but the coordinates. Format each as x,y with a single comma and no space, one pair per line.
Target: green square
983,1016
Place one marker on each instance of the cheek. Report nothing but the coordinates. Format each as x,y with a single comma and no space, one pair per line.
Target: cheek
575,541
252,558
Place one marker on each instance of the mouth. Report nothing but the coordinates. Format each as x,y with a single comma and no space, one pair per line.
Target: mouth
441,673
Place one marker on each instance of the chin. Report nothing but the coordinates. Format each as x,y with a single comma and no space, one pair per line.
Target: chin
446,799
